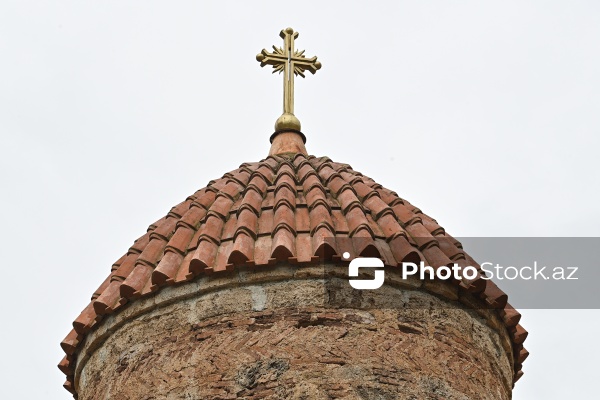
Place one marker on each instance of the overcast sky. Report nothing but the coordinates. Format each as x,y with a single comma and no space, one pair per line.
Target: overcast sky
484,114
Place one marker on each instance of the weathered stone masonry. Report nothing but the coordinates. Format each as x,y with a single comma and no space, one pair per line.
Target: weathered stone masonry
273,335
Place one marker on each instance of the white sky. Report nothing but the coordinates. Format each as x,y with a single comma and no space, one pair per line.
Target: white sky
484,114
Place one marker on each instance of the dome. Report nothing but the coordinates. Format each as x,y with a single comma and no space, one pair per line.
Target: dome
282,209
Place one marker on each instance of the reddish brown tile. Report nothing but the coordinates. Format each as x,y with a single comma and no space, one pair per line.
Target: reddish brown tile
495,297
180,209
152,252
69,344
108,300
283,244
166,229
243,248
204,256
520,334
65,366
85,320
167,269
181,239
192,217
135,282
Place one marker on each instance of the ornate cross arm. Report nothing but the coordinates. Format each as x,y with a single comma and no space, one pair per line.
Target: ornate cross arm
278,60
291,62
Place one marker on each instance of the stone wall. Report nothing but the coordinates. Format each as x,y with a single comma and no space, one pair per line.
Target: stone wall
275,335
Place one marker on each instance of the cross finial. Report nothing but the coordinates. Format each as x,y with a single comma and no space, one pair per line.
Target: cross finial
291,62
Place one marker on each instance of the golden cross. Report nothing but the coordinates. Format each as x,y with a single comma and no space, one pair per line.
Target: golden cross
291,62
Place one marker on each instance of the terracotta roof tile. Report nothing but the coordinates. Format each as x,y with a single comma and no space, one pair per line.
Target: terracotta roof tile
339,222
243,248
140,244
152,253
85,320
192,217
166,271
180,240
212,227
125,268
320,217
253,199
269,200
217,185
304,253
231,190
222,260
69,385
448,246
109,299
431,225
284,218
102,287
133,285
405,215
69,345
386,253
522,356
403,251
194,242
204,256
204,198
377,207
390,227
421,235
183,274
299,210
229,228
302,220
241,176
180,209
118,262
375,228
65,366
357,222
495,297
316,195
262,250
364,245
266,172
348,200
221,206
247,222
510,316
322,245
365,192
305,170
519,335
283,246
337,185
518,375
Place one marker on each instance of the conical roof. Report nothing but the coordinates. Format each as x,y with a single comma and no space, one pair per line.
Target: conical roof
285,208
